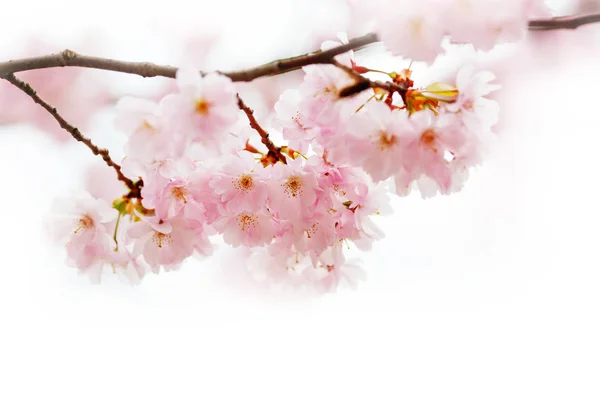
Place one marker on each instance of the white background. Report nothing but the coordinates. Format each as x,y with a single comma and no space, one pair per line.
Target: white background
491,293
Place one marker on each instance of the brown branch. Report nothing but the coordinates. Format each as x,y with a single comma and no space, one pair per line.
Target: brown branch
569,22
274,151
68,58
27,89
285,65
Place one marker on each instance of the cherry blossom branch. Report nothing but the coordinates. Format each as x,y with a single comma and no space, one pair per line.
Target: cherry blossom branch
274,151
69,58
134,187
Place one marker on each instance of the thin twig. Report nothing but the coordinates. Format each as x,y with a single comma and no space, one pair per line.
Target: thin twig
27,89
363,83
274,151
69,58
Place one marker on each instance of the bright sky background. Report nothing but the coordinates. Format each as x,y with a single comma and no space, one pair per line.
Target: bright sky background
491,293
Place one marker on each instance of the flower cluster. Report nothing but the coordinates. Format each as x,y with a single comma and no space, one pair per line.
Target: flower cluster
202,177
297,205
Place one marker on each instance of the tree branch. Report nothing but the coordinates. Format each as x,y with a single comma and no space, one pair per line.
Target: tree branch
285,65
68,58
569,22
27,89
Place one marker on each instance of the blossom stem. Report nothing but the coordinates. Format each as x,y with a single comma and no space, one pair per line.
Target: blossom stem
134,187
274,151
115,232
362,83
378,71
368,100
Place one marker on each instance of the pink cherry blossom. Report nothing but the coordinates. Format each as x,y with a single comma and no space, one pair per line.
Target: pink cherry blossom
372,200
173,197
431,149
167,243
247,228
376,139
321,89
157,168
317,232
329,277
293,190
200,190
274,268
296,125
82,224
81,215
240,184
412,30
204,108
129,268
476,112
484,24
339,182
141,120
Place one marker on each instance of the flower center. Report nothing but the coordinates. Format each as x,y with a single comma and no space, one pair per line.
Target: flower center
244,183
180,193
146,127
161,239
293,186
314,228
202,107
247,220
85,222
428,139
416,26
386,141
296,119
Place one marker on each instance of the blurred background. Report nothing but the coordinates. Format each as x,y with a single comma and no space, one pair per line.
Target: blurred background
491,293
